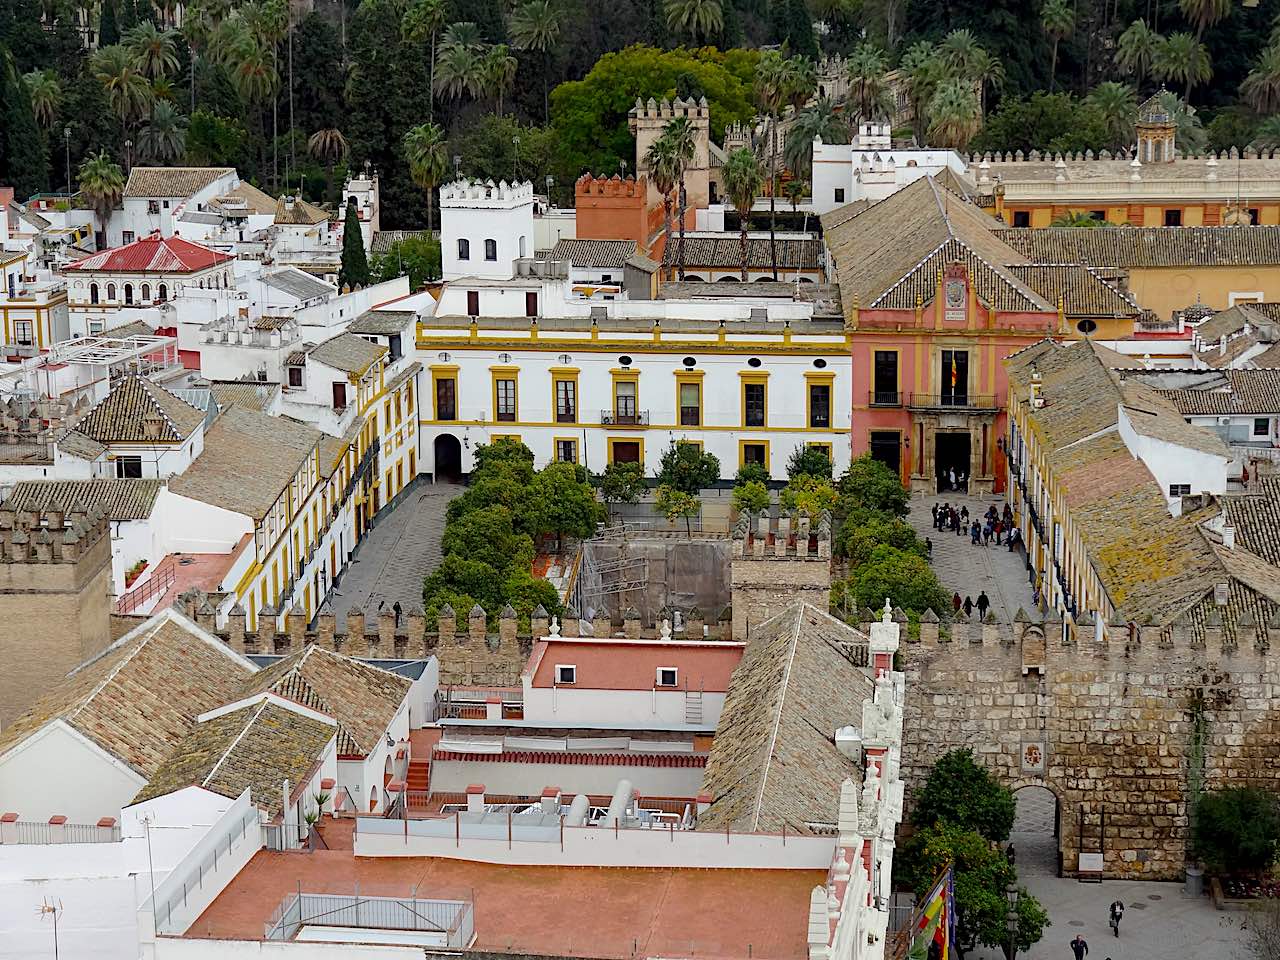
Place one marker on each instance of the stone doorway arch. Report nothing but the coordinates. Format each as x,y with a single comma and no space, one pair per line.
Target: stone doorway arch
1037,829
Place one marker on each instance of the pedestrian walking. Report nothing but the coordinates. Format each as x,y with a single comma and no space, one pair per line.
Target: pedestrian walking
951,479
968,606
1011,854
983,603
398,610
935,516
1008,514
928,548
1117,912
964,515
956,602
975,532
986,535
1079,947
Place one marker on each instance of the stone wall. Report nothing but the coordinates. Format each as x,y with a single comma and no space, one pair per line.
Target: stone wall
773,564
1108,727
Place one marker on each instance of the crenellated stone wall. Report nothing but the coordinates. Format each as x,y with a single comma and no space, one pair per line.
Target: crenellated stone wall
1110,719
776,562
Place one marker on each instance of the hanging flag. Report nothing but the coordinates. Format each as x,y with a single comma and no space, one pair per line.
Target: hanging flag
932,931
953,371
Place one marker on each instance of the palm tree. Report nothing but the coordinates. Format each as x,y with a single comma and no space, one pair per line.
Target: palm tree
536,26
743,176
255,79
1183,59
959,50
1267,136
1058,19
1118,105
1136,49
819,120
955,114
459,72
46,96
683,140
697,19
198,25
464,33
771,81
328,146
424,151
868,88
101,185
988,71
498,69
659,160
1189,129
127,89
796,190
164,138
154,51
923,69
424,19
1260,89
1204,13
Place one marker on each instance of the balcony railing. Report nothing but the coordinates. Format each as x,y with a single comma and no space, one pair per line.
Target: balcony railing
884,398
26,832
637,418
957,401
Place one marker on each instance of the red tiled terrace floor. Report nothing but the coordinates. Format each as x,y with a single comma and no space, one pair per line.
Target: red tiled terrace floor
562,911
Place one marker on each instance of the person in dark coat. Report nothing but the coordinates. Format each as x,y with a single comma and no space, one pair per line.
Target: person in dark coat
968,606
983,604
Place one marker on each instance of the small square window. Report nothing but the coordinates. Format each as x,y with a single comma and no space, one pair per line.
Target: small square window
839,194
129,468
295,376
667,676
1261,426
1022,218
1173,218
1179,489
126,236
566,673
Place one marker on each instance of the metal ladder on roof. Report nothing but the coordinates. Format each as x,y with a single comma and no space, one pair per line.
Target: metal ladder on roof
693,707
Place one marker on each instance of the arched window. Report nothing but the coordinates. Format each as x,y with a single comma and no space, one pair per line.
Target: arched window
523,242
162,293
128,293
93,293
111,292
146,292
491,249
464,249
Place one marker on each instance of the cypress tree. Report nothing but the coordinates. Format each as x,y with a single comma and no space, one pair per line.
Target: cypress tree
24,163
799,29
354,272
108,28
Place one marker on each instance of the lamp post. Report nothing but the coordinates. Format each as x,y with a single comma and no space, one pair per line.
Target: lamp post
66,140
1011,920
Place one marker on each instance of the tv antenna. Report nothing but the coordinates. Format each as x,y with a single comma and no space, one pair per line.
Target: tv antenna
51,908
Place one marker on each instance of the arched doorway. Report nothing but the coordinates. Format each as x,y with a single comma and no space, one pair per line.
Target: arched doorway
1036,831
448,453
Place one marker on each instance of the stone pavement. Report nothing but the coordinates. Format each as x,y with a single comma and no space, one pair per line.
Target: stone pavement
969,570
396,555
1159,922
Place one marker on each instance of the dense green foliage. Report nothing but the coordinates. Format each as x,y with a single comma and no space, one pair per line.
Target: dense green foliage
621,483
751,496
676,504
354,270
416,257
959,815
1237,830
807,460
869,483
490,529
687,468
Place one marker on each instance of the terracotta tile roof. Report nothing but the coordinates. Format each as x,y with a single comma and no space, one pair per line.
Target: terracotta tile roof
384,240
1149,246
122,415
1084,292
135,329
773,760
890,255
1246,391
1256,517
1267,358
1230,321
841,215
595,253
253,394
1213,355
255,201
139,697
76,444
348,353
364,699
383,322
298,212
1154,416
172,181
725,253
248,460
153,254
121,499
258,746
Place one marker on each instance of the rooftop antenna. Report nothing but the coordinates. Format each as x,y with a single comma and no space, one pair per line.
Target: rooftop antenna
51,908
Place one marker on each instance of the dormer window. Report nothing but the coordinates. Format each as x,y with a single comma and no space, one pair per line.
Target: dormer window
666,676
566,673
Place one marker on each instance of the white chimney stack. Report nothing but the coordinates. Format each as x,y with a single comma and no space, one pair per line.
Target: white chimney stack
1229,537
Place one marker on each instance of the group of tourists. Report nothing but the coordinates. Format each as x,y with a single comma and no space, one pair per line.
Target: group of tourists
992,525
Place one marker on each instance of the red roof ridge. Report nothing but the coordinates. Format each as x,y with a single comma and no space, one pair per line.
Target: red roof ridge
153,254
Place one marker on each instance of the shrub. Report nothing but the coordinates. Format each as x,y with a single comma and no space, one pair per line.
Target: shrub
962,792
906,579
749,472
1237,830
687,468
809,495
752,495
810,461
869,483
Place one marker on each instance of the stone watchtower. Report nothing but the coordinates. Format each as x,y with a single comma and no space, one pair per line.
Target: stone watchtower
773,564
647,122
55,585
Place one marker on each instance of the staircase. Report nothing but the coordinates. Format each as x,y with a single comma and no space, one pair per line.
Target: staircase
418,782
693,707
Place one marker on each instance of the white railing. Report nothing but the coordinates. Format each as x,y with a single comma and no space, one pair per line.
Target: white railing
26,832
452,920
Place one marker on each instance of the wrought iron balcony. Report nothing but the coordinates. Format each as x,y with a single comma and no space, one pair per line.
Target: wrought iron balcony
884,398
636,418
965,402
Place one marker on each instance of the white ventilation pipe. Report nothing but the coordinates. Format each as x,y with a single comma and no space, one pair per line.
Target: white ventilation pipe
577,815
619,804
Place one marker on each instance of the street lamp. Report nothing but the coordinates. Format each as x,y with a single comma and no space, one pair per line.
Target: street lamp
66,139
1011,920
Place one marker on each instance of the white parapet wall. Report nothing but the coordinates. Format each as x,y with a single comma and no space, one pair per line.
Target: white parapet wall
544,841
179,948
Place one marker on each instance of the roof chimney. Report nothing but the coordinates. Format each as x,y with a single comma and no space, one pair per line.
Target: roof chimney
151,426
1229,537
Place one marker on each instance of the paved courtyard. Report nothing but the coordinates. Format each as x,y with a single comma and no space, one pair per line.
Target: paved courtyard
397,555
1159,922
969,570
